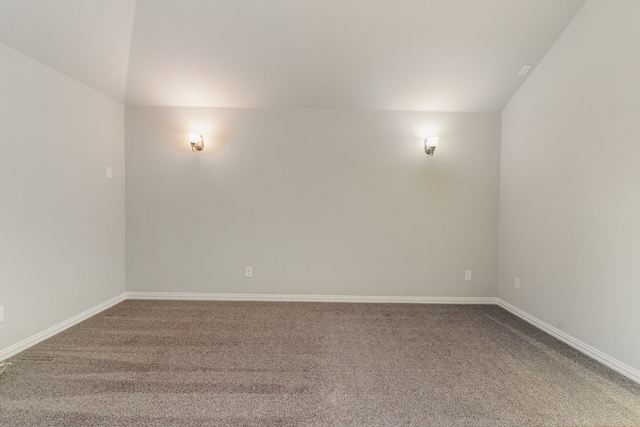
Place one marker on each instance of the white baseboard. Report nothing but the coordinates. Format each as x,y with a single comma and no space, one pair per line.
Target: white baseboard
596,354
54,330
310,298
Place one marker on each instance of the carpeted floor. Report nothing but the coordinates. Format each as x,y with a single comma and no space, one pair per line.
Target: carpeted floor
179,363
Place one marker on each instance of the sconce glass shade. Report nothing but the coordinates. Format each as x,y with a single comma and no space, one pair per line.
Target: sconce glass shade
430,144
197,141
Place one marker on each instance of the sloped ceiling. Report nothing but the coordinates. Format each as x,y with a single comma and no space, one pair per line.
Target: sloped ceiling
430,55
87,40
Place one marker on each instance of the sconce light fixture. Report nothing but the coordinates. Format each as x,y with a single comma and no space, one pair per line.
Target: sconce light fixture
430,144
197,141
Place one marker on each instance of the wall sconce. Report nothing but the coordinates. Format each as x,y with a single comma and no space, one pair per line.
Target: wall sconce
197,141
430,144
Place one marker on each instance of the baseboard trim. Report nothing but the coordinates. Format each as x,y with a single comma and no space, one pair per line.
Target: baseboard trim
616,365
54,330
310,298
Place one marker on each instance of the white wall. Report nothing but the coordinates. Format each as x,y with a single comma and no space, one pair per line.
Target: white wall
570,184
61,220
329,202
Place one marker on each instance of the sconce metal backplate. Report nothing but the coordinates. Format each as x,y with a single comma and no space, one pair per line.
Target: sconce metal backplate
197,146
197,141
430,144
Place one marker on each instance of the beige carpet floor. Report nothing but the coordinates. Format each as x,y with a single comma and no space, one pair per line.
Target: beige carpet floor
179,363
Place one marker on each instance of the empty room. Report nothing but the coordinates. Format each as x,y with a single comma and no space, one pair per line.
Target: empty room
319,213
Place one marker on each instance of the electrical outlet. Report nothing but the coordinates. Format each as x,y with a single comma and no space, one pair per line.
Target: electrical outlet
1,313
467,275
516,283
248,272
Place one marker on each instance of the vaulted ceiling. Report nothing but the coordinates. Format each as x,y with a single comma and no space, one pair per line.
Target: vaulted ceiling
421,55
